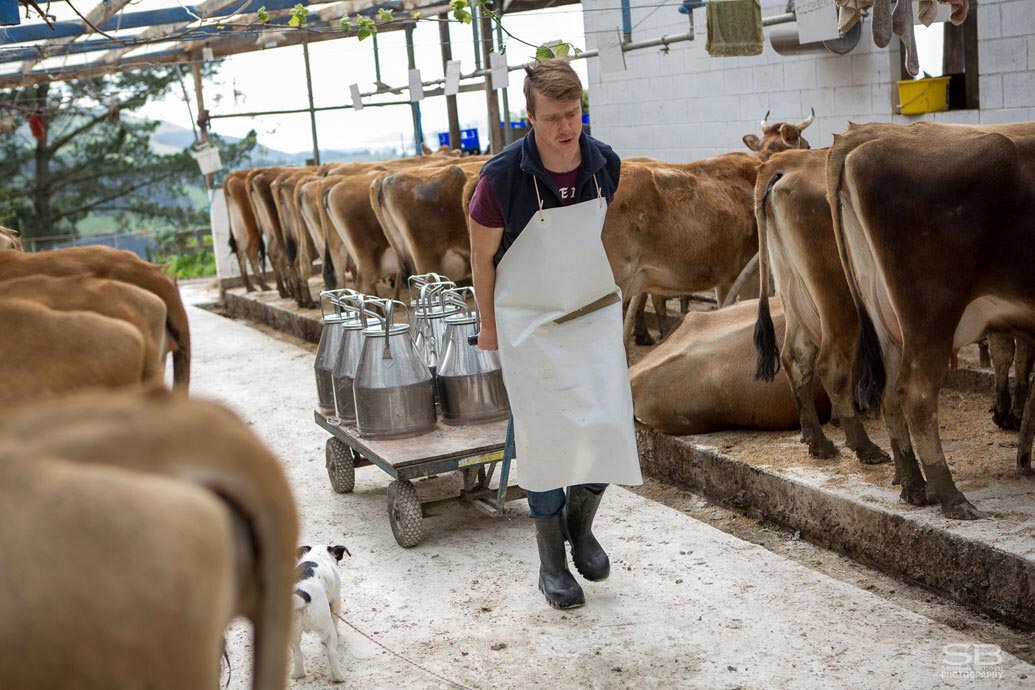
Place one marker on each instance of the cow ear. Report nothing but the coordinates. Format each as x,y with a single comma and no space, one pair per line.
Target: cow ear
303,550
753,142
338,551
789,134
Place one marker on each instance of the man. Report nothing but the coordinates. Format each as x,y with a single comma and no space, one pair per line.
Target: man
549,303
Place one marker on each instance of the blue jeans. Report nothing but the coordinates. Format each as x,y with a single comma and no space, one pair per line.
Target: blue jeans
548,503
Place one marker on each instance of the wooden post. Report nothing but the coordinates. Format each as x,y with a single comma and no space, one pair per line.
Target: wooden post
451,110
202,113
312,112
508,133
492,103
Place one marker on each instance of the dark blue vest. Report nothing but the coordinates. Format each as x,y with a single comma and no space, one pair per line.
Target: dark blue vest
511,173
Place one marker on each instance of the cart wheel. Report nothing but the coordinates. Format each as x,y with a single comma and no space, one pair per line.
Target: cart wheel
341,466
405,514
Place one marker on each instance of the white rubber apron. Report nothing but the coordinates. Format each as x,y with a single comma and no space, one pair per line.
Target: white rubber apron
568,383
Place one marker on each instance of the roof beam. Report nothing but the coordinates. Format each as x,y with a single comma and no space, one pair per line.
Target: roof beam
98,15
204,11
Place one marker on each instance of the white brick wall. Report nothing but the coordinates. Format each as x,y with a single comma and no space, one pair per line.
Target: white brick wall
685,105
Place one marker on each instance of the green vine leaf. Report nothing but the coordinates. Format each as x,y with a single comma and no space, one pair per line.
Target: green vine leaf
561,50
543,53
299,14
263,15
365,32
385,15
460,11
345,23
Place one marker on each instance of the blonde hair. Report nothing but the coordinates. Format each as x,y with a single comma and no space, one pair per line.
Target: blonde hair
554,79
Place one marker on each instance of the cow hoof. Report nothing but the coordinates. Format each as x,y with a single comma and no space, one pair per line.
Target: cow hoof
962,509
824,449
916,494
643,339
1024,467
1004,420
873,456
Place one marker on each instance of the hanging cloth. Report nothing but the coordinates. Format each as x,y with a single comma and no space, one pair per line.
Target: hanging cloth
734,28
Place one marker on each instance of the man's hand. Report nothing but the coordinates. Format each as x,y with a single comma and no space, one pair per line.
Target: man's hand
487,339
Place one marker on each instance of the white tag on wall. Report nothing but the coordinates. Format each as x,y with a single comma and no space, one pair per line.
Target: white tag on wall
817,20
357,100
612,57
452,77
416,88
207,54
500,74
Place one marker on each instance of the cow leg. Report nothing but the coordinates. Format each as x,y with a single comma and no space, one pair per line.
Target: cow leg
684,304
635,328
984,356
1001,349
799,360
1022,364
242,263
1024,440
833,368
721,293
257,270
660,303
918,384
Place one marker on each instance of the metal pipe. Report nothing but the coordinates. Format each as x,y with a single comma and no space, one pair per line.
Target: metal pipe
312,106
492,103
626,22
508,133
202,113
411,60
295,111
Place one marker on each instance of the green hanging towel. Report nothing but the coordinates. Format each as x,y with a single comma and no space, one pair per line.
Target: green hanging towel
734,28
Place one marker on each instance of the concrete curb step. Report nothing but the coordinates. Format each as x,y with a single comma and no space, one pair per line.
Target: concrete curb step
969,570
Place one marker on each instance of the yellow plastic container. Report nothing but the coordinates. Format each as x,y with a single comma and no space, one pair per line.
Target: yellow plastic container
916,96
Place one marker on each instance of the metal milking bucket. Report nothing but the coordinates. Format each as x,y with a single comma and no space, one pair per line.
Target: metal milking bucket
327,351
394,389
469,380
347,362
431,314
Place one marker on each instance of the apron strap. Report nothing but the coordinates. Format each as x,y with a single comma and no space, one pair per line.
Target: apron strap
538,197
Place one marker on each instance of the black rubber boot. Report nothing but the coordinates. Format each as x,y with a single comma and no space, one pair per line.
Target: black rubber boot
587,554
555,580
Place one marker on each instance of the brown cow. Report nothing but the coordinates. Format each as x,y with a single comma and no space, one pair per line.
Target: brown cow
159,435
696,381
115,264
778,137
299,247
796,238
264,207
1007,410
138,585
349,210
10,239
49,353
246,240
928,277
423,214
139,308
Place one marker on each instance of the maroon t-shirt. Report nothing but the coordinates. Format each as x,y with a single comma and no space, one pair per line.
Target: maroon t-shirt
485,209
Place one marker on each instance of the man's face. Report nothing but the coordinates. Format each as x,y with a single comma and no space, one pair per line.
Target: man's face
558,125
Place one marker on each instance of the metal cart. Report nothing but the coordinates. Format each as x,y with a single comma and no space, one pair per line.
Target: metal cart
474,450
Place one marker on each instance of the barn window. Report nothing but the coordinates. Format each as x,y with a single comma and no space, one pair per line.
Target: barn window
952,51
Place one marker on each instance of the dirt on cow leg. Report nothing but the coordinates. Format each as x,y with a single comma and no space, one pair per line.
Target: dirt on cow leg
907,469
660,314
1024,440
856,438
1024,358
919,393
799,361
832,366
635,327
257,270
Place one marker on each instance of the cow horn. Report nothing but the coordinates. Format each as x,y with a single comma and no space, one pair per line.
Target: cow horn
764,123
807,121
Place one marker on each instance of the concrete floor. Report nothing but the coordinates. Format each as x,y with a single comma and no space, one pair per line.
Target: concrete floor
686,606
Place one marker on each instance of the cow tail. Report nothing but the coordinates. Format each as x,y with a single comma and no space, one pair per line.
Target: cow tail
262,252
290,247
233,244
765,334
868,373
330,280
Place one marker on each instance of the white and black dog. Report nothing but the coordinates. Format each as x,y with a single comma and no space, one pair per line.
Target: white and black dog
316,601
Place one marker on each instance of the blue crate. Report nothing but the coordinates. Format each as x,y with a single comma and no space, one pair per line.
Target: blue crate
469,140
9,15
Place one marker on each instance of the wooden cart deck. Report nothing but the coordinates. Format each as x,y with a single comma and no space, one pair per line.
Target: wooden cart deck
474,450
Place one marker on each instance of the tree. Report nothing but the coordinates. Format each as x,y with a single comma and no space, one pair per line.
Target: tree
81,154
